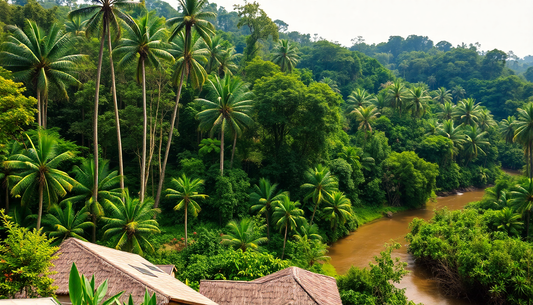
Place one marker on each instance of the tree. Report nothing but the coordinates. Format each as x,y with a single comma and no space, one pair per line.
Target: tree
228,109
507,220
475,143
458,93
39,173
130,224
286,216
264,196
186,191
338,209
144,44
359,98
485,120
365,116
227,64
396,96
187,54
16,110
40,59
241,235
216,52
64,223
26,257
320,182
285,55
446,111
524,134
522,201
76,26
455,134
443,96
467,112
507,129
417,99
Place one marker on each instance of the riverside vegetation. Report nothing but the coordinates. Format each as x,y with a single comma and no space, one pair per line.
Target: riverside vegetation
222,143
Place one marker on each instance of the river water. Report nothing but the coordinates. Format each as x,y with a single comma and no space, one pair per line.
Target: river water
360,247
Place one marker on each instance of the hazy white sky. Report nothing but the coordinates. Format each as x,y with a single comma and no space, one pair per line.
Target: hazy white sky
505,25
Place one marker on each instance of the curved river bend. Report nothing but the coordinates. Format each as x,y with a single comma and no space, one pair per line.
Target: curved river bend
360,247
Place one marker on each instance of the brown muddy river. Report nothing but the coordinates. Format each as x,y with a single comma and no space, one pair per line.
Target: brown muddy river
360,247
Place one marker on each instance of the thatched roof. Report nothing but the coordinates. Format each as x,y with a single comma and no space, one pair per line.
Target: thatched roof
293,286
39,301
168,269
124,271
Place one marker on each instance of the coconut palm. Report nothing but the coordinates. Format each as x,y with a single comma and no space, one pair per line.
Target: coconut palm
456,134
446,111
264,196
320,182
103,16
443,96
241,235
397,95
40,60
522,201
227,109
62,223
360,98
507,220
417,98
130,223
524,134
106,189
379,101
76,26
338,209
475,142
307,232
144,44
365,116
186,191
467,112
286,216
285,55
227,61
216,51
485,120
38,173
331,83
458,93
507,129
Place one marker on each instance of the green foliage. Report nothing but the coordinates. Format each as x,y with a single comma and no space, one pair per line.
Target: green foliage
241,235
16,110
64,223
25,258
85,292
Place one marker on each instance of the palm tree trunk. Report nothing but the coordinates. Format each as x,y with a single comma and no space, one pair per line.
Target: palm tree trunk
167,150
186,225
40,212
284,241
530,160
233,150
222,151
45,112
268,224
115,105
95,118
94,228
312,217
145,127
39,113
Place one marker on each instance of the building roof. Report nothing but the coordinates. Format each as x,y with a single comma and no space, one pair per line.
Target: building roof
168,269
293,286
38,301
124,271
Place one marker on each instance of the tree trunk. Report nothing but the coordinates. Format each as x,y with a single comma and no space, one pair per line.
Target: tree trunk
115,105
39,112
530,160
233,150
312,217
186,244
40,212
94,228
268,224
45,112
95,117
221,152
145,127
167,150
284,241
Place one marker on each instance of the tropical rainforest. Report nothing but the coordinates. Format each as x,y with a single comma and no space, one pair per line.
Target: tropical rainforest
216,140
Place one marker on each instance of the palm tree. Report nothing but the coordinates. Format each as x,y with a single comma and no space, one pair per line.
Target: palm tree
507,129
467,112
365,116
187,58
104,15
186,191
40,60
307,232
264,196
241,235
507,220
38,173
320,182
522,201
360,98
458,92
446,111
443,96
417,98
475,141
64,223
227,61
338,209
379,101
228,108
485,120
524,134
106,189
76,26
145,45
130,223
331,83
216,51
285,55
396,96
286,216
447,129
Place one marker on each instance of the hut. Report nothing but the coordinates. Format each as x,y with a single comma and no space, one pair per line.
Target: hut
123,271
293,286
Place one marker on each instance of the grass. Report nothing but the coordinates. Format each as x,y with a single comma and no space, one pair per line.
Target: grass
367,214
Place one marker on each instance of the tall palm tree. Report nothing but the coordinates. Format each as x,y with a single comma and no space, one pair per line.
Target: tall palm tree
307,232
186,191
446,111
467,112
331,83
456,134
84,189
379,101
458,92
227,61
475,142
130,223
241,235
144,44
443,96
485,120
76,26
228,109
285,55
320,182
264,196
397,95
524,134
338,209
187,58
40,60
38,173
507,129
103,16
360,98
365,116
216,51
287,215
522,201
507,220
64,223
417,98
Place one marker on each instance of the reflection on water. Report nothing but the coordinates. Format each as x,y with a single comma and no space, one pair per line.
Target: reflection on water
361,246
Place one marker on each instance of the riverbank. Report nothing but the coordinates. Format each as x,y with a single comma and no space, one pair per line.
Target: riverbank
368,214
